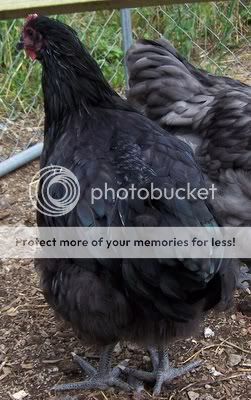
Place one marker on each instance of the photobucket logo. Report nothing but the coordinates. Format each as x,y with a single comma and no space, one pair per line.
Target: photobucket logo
54,191
153,193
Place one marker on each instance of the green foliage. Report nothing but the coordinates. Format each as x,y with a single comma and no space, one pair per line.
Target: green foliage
203,32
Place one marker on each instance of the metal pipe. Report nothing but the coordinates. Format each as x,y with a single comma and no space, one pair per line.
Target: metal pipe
126,23
17,161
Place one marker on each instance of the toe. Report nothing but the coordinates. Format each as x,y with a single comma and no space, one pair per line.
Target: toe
158,387
140,374
84,385
118,383
84,365
136,384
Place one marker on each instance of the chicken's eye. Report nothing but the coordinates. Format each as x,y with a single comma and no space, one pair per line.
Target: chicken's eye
29,33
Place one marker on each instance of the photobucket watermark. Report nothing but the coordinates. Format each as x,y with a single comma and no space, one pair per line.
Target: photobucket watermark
54,191
153,193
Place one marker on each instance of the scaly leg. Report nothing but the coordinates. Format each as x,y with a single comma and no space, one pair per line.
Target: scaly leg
154,355
101,378
244,277
164,373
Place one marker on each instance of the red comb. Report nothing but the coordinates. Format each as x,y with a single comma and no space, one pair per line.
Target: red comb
31,17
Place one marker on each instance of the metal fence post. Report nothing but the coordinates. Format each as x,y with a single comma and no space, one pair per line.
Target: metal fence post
126,23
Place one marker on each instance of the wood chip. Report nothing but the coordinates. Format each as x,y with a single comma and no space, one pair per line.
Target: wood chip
20,395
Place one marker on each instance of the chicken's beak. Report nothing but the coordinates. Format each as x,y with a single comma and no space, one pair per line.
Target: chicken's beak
20,44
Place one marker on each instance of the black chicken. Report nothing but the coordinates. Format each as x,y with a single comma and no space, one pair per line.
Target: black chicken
99,137
212,114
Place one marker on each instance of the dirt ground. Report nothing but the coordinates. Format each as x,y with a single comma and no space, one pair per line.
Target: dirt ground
35,348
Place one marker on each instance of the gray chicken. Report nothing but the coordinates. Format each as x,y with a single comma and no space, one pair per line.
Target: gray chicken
212,114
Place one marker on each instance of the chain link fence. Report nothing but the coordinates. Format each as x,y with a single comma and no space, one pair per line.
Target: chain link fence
214,36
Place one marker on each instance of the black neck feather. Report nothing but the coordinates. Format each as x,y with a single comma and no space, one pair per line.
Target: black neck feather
73,82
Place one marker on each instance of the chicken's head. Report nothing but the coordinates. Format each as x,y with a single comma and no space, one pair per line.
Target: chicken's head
31,40
44,36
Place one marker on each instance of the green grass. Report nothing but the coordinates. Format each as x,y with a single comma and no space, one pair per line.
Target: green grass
200,23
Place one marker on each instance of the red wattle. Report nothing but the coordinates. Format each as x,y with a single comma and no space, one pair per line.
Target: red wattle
31,53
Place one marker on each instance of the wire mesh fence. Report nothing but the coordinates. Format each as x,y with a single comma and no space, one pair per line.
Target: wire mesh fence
214,36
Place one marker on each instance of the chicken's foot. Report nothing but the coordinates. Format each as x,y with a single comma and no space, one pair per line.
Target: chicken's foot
101,378
163,373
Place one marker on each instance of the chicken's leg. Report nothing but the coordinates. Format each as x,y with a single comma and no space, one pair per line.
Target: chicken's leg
244,277
154,355
164,373
101,378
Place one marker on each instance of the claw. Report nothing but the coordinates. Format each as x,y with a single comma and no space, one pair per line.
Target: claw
101,378
84,365
96,382
167,376
163,373
136,384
